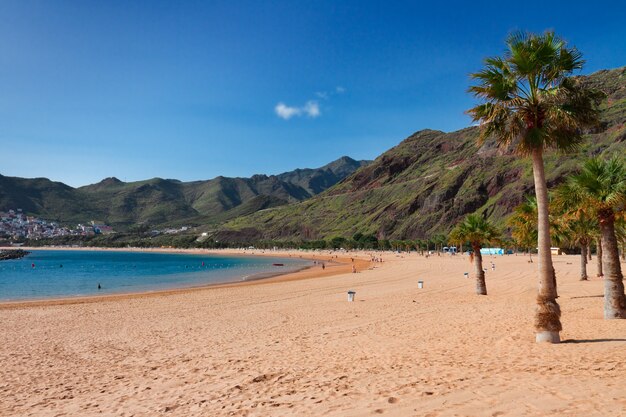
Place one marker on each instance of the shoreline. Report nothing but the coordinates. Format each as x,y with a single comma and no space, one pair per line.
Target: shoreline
334,266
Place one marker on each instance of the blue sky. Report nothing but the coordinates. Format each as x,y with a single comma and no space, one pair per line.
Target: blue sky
192,90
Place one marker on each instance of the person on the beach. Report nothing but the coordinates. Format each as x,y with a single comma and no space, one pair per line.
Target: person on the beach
323,265
353,269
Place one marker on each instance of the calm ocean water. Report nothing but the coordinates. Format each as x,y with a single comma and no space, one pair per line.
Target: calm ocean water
49,274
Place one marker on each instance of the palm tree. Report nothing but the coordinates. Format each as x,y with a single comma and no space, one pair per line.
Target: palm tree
440,241
530,105
477,231
601,186
580,228
523,225
420,244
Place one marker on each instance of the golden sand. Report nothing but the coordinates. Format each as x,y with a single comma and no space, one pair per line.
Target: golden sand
287,347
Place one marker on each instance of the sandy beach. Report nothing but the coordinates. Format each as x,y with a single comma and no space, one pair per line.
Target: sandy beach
294,346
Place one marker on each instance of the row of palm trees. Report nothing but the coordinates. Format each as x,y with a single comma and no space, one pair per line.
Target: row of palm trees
574,221
571,224
529,104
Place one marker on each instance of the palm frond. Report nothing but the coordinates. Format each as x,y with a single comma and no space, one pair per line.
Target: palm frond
601,185
476,230
528,99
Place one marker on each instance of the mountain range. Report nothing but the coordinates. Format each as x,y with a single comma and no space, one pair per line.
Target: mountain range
159,202
431,180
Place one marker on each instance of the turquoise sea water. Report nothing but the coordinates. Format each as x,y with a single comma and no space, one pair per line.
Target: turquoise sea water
53,274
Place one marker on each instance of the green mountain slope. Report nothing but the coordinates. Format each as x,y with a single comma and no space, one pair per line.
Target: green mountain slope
430,181
164,201
44,197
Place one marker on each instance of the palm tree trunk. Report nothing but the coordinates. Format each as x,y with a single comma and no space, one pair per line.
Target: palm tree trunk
589,250
614,298
599,256
548,312
481,286
583,263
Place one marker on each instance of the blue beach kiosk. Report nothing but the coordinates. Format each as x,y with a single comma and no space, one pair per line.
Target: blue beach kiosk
491,251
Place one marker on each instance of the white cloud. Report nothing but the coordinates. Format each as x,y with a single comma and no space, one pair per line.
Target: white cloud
310,109
286,112
325,95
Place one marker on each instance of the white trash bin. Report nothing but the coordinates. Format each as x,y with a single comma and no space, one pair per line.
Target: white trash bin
420,284
351,295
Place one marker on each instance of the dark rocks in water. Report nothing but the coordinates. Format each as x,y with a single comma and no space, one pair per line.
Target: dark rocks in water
7,254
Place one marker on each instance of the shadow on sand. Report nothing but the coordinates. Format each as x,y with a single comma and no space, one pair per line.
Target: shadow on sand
592,340
589,296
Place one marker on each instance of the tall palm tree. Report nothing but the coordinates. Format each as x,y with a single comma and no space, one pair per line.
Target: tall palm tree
530,105
601,186
477,231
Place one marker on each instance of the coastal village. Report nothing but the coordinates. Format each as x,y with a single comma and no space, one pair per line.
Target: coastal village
15,224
